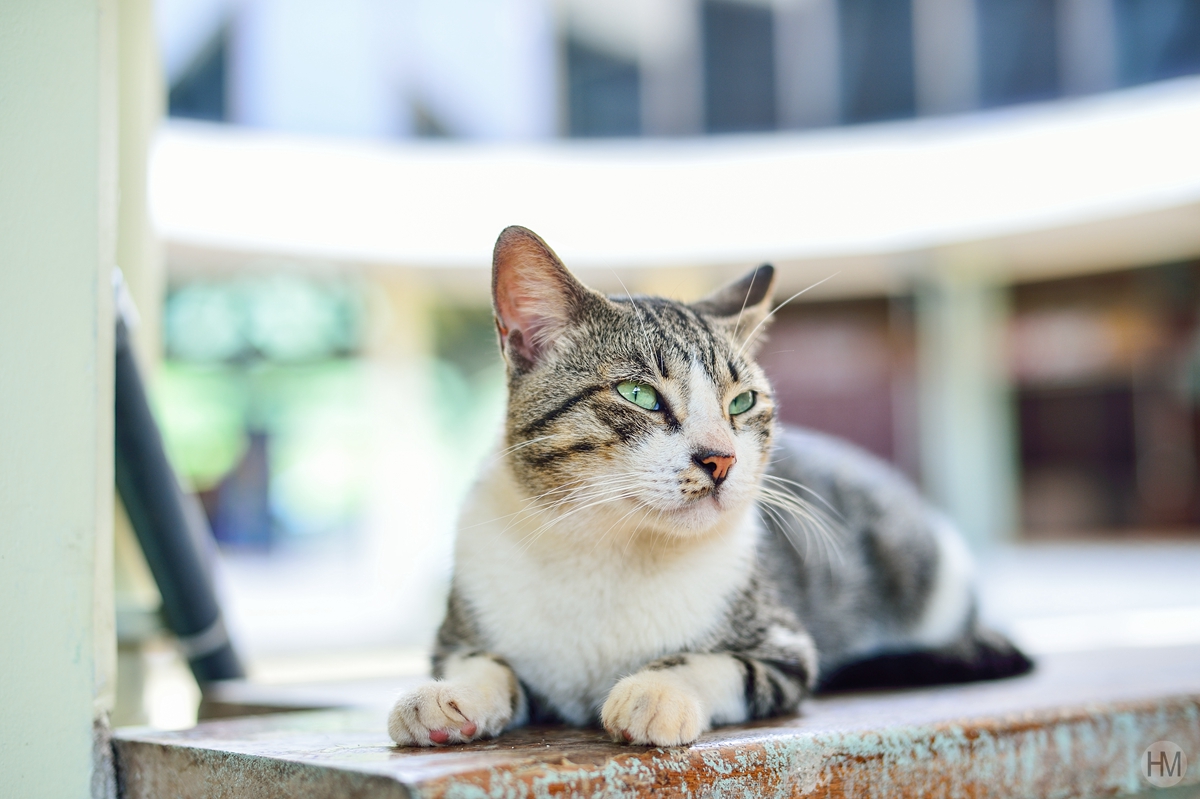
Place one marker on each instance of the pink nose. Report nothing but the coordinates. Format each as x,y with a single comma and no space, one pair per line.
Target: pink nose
716,464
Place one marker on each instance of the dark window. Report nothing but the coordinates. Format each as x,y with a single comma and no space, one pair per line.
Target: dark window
877,60
1157,39
604,92
1109,433
200,92
739,67
1018,50
1077,458
845,368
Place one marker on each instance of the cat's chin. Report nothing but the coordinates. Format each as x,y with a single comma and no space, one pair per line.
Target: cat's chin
698,517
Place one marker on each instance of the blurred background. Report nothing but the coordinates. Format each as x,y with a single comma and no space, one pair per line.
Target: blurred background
1001,197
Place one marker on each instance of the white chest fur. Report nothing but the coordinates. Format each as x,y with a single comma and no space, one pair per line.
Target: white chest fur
573,614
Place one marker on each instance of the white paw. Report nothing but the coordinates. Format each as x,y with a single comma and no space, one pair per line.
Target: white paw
653,708
448,712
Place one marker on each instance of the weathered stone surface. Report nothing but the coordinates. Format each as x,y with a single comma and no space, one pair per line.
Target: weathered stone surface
1076,727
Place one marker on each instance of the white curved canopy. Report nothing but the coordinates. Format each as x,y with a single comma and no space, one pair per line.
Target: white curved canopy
1099,182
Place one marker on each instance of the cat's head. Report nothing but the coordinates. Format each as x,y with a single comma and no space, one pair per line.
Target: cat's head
642,410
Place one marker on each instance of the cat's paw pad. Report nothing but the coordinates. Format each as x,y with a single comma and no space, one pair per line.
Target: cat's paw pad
447,713
655,709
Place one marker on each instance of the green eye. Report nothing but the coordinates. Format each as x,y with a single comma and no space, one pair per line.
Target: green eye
639,394
742,403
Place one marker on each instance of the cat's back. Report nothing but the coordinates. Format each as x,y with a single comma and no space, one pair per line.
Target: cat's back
875,565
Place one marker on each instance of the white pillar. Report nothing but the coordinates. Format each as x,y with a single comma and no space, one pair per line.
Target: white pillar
141,97
314,66
1087,46
808,74
58,78
671,62
967,432
945,56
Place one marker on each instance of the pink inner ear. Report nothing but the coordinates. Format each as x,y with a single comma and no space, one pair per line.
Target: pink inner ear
534,294
529,315
533,327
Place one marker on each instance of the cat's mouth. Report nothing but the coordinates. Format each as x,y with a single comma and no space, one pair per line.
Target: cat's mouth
703,500
697,511
692,496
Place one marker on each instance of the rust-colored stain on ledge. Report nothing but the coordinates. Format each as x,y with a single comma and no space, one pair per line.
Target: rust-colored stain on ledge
1077,727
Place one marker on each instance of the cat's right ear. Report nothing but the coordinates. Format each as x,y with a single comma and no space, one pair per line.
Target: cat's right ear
744,305
534,297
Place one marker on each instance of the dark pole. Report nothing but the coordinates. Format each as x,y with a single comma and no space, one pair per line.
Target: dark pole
172,531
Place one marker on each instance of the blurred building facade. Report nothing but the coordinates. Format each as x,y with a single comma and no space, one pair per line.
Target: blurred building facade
538,70
1103,376
535,69
1054,397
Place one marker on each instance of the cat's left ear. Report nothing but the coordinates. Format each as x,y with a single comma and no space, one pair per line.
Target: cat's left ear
534,297
742,306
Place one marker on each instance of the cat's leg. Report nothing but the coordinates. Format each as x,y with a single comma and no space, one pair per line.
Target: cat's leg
672,700
478,697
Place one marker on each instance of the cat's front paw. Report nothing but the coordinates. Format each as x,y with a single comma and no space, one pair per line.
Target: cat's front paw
653,708
448,713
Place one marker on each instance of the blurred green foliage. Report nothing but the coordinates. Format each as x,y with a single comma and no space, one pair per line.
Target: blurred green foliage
283,356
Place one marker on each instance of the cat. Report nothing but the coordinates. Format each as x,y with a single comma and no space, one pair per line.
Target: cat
652,550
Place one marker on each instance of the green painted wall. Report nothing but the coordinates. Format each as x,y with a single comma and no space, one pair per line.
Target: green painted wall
57,239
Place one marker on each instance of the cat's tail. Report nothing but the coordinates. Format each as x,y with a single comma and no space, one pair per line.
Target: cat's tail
982,654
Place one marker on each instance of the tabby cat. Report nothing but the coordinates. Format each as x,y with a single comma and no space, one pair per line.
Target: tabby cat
650,549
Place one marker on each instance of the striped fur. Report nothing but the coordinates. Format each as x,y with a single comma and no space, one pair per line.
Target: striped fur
606,571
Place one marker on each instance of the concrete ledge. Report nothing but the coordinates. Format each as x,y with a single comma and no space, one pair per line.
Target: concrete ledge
1076,727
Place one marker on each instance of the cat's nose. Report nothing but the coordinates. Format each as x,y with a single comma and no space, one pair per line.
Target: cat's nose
717,464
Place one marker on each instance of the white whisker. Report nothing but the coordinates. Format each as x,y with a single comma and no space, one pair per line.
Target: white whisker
633,304
812,521
763,321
